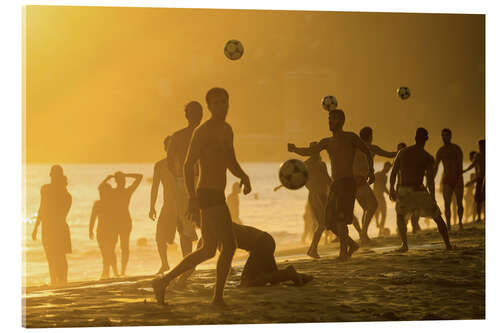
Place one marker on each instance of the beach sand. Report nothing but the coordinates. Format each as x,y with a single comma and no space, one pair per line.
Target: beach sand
427,283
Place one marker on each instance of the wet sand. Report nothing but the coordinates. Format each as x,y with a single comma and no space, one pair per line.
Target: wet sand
427,283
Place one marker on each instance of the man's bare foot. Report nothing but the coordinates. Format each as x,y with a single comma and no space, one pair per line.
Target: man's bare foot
306,278
313,254
219,302
402,249
353,248
159,286
163,269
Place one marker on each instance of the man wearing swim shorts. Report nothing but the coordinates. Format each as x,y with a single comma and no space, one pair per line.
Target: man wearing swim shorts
341,147
211,146
412,163
453,181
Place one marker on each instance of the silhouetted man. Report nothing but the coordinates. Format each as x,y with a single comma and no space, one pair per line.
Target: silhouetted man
411,164
260,267
167,221
212,146
318,183
364,193
341,147
379,188
453,182
233,202
176,155
479,164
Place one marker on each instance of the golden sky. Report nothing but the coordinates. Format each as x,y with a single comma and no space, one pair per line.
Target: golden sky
108,84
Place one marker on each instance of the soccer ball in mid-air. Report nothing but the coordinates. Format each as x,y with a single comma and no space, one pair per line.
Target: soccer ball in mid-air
403,92
329,103
293,174
233,49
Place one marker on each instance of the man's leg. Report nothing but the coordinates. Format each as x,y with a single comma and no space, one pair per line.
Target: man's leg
162,251
186,245
443,231
415,227
125,248
226,236
368,202
447,194
459,196
402,233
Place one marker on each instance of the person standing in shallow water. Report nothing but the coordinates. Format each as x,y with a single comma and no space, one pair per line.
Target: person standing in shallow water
479,163
106,234
120,201
411,164
55,203
167,221
233,203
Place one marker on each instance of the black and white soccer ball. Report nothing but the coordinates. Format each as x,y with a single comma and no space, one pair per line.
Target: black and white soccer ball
403,92
233,49
293,174
329,103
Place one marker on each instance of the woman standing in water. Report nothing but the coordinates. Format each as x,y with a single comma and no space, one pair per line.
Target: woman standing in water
120,200
106,235
55,203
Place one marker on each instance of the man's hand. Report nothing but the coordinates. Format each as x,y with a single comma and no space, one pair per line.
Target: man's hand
371,177
33,235
152,214
392,194
91,235
291,147
245,182
193,210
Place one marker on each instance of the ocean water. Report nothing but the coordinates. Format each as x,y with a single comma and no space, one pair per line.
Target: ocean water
279,213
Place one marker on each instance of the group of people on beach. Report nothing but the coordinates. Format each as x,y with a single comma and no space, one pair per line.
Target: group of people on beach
193,177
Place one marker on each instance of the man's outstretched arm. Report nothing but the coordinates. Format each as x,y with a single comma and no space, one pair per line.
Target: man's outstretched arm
307,151
381,152
154,192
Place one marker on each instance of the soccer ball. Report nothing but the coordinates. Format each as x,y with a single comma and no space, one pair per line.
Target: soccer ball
403,92
233,49
293,174
329,103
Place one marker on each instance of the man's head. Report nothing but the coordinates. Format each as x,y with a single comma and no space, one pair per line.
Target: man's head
421,136
482,146
401,145
56,173
387,167
166,141
336,119
366,134
120,179
472,154
218,102
193,112
446,135
104,190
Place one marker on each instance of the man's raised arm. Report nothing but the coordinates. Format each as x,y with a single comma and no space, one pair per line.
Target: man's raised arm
381,152
308,151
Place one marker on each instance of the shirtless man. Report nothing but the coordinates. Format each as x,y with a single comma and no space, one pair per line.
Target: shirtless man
379,189
212,146
411,164
176,155
167,221
318,183
453,182
260,267
364,193
479,164
341,147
